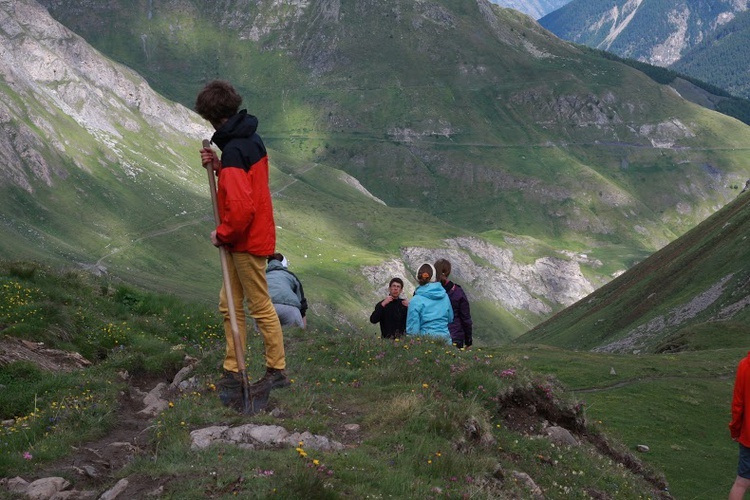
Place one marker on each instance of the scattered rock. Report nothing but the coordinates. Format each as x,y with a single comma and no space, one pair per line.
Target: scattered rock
116,490
251,435
352,427
612,371
561,435
524,478
156,493
17,485
181,375
53,360
45,488
87,470
642,448
203,438
314,442
154,400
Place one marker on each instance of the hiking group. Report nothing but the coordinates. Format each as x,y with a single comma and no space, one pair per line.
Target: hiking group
256,275
438,308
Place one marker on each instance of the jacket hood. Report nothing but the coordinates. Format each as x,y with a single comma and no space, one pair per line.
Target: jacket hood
241,125
432,291
275,265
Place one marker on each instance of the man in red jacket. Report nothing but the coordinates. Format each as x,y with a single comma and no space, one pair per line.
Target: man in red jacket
247,231
739,427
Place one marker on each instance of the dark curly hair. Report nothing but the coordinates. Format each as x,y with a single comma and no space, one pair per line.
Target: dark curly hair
218,100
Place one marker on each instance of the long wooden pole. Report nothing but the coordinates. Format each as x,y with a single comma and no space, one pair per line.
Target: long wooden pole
238,352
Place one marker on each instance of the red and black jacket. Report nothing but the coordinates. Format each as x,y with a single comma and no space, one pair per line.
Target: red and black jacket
739,427
244,197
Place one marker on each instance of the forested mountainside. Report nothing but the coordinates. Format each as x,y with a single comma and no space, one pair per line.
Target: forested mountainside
705,40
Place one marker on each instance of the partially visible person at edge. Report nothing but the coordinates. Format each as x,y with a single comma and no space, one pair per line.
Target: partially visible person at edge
461,328
246,230
430,309
739,428
391,311
286,292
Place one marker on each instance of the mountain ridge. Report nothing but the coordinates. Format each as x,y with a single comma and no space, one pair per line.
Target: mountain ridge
570,200
691,36
533,8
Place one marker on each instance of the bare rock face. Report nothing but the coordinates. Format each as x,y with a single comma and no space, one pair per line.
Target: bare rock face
57,77
491,272
380,275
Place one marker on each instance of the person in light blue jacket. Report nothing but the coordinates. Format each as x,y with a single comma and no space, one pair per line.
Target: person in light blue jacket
286,292
430,309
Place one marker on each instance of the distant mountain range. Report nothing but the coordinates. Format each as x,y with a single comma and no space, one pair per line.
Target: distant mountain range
540,169
534,8
723,57
705,40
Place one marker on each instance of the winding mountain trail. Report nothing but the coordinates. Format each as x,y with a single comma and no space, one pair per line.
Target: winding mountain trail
295,178
152,234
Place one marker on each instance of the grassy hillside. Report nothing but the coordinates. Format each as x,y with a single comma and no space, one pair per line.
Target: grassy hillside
693,89
100,172
417,419
549,153
689,296
478,117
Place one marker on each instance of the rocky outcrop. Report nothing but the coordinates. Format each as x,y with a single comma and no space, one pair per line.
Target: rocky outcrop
252,436
65,88
491,273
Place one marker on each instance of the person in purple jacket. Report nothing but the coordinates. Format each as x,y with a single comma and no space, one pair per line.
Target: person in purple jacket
461,327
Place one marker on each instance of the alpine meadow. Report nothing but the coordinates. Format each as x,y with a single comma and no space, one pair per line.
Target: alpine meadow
596,219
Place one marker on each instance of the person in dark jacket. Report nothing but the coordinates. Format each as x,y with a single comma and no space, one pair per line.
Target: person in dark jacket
461,327
391,311
286,292
246,230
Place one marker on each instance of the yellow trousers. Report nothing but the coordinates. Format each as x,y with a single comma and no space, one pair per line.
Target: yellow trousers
247,277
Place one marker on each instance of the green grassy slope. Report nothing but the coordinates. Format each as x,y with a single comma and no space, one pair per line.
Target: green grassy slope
478,117
676,404
120,202
486,126
687,296
101,173
432,420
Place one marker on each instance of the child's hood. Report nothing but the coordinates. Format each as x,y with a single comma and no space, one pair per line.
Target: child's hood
432,291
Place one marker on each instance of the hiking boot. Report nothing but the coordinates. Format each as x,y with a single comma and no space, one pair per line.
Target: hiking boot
231,394
230,389
272,379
